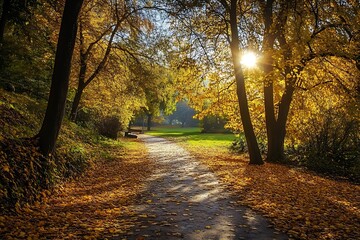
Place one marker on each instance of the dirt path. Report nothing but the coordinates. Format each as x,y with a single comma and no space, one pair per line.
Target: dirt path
185,200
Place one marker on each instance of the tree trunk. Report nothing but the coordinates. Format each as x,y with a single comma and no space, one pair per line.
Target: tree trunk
275,125
76,101
82,74
276,139
254,151
60,79
4,17
149,119
278,133
271,123
275,133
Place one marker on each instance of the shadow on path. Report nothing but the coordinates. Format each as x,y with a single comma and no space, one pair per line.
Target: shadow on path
184,199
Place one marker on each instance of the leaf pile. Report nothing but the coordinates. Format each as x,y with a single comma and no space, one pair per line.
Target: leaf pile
22,173
303,205
90,207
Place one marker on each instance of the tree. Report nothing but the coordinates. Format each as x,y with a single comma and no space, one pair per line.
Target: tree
297,37
102,38
86,52
5,8
50,128
183,114
275,126
158,91
254,151
227,13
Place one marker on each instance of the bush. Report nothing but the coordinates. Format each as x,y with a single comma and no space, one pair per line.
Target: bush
332,146
214,124
239,145
85,117
109,126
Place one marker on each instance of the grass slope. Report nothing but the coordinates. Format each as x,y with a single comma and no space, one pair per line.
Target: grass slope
24,177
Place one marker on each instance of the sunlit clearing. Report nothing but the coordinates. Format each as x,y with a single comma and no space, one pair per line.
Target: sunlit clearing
249,59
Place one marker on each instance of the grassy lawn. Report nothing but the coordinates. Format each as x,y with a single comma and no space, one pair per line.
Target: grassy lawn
193,138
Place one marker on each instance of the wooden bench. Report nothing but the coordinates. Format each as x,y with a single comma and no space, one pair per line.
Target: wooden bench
130,133
140,131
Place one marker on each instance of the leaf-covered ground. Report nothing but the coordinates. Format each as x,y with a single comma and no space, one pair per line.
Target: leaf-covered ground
89,207
304,205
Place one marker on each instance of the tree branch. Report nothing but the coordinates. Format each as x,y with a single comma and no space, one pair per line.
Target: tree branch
314,86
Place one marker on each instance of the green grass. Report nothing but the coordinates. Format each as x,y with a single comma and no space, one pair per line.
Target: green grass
174,131
194,137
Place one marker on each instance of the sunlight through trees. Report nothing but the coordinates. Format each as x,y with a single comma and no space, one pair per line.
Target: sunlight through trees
249,59
282,76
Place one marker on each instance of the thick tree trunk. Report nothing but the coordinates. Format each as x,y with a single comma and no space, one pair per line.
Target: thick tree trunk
149,120
277,138
275,122
254,151
276,128
268,44
270,121
276,144
60,79
4,17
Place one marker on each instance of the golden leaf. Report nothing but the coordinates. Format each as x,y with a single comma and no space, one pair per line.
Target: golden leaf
22,234
6,168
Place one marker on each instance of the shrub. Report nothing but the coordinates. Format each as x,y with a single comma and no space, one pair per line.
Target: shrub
214,124
239,145
85,117
109,126
332,146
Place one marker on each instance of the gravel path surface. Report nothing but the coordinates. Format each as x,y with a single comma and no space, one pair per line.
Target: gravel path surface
185,200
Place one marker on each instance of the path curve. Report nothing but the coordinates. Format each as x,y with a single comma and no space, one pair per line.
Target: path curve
185,200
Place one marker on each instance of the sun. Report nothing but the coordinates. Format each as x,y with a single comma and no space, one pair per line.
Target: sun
249,59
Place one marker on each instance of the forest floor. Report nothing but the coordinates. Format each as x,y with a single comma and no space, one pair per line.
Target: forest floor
155,189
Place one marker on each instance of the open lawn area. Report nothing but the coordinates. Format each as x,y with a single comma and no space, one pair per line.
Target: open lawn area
193,137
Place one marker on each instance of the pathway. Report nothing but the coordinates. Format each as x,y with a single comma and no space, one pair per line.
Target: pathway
185,200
